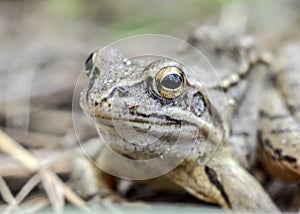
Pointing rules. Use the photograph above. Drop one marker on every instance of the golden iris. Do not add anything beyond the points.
(169, 82)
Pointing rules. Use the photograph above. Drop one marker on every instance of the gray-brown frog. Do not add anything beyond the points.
(157, 97)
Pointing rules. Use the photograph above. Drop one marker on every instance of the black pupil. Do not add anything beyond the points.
(89, 62)
(171, 81)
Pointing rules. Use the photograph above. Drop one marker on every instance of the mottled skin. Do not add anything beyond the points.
(125, 91)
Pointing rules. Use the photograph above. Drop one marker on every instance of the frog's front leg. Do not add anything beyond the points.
(91, 182)
(223, 181)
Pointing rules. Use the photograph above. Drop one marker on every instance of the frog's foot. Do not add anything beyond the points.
(92, 184)
(224, 182)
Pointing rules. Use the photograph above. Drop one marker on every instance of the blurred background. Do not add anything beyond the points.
(44, 45)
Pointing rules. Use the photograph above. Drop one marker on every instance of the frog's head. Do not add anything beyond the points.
(145, 105)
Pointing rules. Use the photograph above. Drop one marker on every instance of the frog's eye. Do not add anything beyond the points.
(169, 82)
(89, 63)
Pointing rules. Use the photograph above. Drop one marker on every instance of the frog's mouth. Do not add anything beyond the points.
(152, 124)
(138, 119)
(141, 123)
(144, 139)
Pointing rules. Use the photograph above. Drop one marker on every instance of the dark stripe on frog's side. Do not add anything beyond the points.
(188, 174)
(276, 153)
(290, 159)
(213, 178)
(274, 116)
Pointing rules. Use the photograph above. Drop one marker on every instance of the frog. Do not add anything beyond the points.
(158, 94)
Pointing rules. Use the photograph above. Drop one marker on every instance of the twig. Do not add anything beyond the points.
(56, 160)
(34, 204)
(6, 193)
(54, 190)
(25, 190)
(11, 147)
(8, 145)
